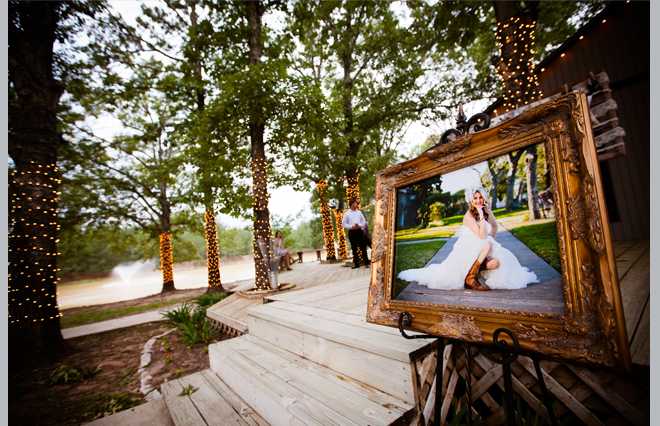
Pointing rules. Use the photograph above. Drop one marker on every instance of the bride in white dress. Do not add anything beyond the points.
(476, 253)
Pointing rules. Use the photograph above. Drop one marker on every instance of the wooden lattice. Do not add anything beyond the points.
(224, 328)
(591, 396)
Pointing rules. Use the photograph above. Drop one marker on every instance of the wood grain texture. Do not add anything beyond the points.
(182, 409)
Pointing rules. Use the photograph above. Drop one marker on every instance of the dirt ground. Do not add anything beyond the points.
(33, 401)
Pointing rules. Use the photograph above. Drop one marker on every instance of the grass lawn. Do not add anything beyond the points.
(541, 238)
(412, 256)
(72, 320)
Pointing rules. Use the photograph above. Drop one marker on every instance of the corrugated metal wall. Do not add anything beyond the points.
(621, 47)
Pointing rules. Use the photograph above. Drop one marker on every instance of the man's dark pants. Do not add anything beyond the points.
(356, 237)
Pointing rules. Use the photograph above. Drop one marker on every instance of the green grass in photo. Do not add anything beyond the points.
(541, 239)
(412, 256)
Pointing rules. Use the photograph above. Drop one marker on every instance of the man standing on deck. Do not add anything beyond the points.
(354, 221)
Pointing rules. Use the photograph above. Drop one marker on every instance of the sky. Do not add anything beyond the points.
(284, 201)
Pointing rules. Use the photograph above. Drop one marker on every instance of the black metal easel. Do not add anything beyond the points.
(508, 356)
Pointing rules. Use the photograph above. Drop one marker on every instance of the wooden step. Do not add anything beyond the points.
(339, 327)
(375, 355)
(213, 403)
(287, 389)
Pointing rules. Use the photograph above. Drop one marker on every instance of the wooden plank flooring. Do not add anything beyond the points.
(232, 311)
(211, 403)
(334, 281)
(633, 263)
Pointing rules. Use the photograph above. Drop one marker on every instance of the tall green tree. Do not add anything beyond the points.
(138, 174)
(211, 135)
(34, 140)
(247, 77)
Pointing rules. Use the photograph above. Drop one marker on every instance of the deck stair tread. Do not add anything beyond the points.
(288, 389)
(213, 402)
(337, 327)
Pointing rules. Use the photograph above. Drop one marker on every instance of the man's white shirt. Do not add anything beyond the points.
(352, 217)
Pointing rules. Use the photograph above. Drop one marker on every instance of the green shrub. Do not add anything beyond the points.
(209, 299)
(192, 323)
(179, 315)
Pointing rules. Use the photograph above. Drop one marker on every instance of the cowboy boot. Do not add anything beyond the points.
(471, 279)
(484, 266)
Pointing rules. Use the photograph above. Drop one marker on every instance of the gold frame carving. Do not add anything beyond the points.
(593, 330)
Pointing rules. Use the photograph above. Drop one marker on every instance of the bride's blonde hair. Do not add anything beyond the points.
(469, 197)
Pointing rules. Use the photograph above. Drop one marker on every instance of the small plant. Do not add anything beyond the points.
(68, 374)
(168, 357)
(106, 404)
(188, 391)
(180, 315)
(206, 349)
(177, 371)
(127, 379)
(209, 299)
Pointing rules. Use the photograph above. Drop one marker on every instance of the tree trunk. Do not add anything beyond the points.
(352, 175)
(166, 264)
(513, 158)
(494, 179)
(165, 237)
(326, 219)
(515, 27)
(262, 229)
(341, 238)
(519, 194)
(532, 185)
(212, 256)
(34, 317)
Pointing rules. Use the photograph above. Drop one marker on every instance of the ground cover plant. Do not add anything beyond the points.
(412, 256)
(191, 320)
(90, 314)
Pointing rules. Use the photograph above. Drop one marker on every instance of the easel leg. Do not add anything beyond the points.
(544, 389)
(438, 380)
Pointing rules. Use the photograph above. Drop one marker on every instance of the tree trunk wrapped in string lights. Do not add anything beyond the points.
(341, 238)
(33, 314)
(261, 229)
(212, 256)
(166, 260)
(353, 189)
(515, 36)
(326, 219)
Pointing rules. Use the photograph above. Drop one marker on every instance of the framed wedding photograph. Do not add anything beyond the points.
(503, 228)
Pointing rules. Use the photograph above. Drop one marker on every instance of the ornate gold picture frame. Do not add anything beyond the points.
(589, 327)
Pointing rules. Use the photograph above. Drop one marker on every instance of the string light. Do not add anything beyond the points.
(212, 255)
(261, 229)
(513, 70)
(341, 238)
(166, 257)
(326, 219)
(353, 189)
(32, 278)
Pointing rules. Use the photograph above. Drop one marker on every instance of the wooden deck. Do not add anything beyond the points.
(311, 358)
(633, 264)
(632, 261)
(232, 312)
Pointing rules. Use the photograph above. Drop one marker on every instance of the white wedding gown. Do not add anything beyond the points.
(450, 274)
